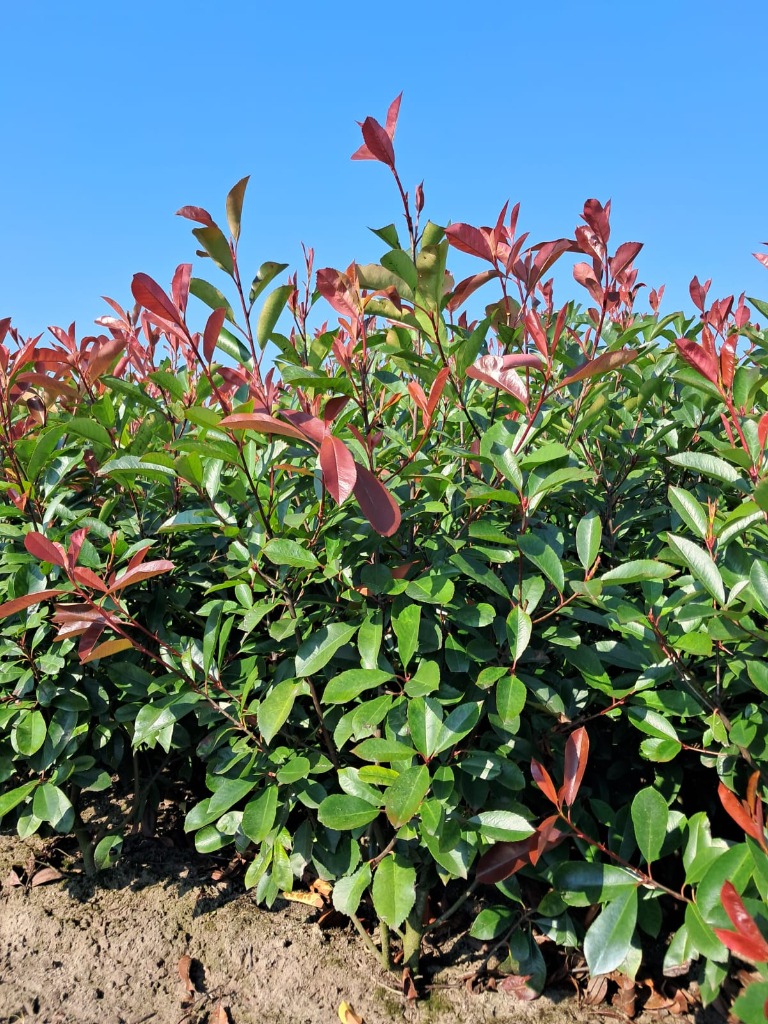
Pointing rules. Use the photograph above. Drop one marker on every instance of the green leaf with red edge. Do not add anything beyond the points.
(18, 604)
(46, 550)
(576, 755)
(216, 245)
(235, 206)
(597, 367)
(543, 780)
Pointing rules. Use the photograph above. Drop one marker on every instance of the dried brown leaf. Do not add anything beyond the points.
(517, 985)
(409, 985)
(596, 990)
(12, 878)
(220, 1015)
(309, 899)
(347, 1015)
(45, 875)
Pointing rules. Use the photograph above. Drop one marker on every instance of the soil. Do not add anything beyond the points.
(107, 951)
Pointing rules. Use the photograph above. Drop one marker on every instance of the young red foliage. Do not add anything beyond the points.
(747, 941)
(695, 355)
(576, 755)
(543, 780)
(364, 153)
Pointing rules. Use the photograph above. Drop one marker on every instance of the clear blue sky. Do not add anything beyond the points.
(116, 114)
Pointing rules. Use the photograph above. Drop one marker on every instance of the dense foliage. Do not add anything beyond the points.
(436, 603)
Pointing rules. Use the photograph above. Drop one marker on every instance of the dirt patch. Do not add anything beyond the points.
(79, 952)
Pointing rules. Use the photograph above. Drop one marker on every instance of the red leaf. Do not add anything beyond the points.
(547, 836)
(261, 424)
(139, 557)
(332, 409)
(698, 292)
(212, 331)
(471, 240)
(623, 256)
(702, 361)
(336, 288)
(378, 142)
(102, 357)
(311, 426)
(503, 860)
(438, 384)
(585, 275)
(18, 604)
(416, 391)
(498, 371)
(44, 549)
(762, 429)
(598, 218)
(151, 296)
(145, 571)
(88, 578)
(544, 781)
(377, 504)
(363, 153)
(762, 256)
(339, 468)
(537, 332)
(602, 364)
(728, 361)
(180, 285)
(576, 754)
(197, 214)
(747, 941)
(740, 814)
(465, 288)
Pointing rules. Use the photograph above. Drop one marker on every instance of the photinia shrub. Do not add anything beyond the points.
(433, 601)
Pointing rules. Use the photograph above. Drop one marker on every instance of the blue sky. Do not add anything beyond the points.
(114, 115)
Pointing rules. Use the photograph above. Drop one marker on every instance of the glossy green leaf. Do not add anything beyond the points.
(107, 852)
(348, 892)
(519, 629)
(51, 804)
(29, 734)
(701, 565)
(394, 890)
(259, 815)
(689, 510)
(319, 647)
(609, 937)
(636, 570)
(270, 313)
(274, 710)
(405, 622)
(405, 795)
(281, 551)
(650, 818)
(588, 536)
(342, 812)
(544, 557)
(350, 684)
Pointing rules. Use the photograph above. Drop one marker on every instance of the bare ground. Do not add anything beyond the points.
(76, 951)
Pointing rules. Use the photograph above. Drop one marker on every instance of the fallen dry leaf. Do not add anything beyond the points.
(517, 985)
(219, 1015)
(12, 879)
(309, 899)
(625, 997)
(348, 1016)
(596, 990)
(45, 875)
(185, 965)
(409, 985)
(324, 888)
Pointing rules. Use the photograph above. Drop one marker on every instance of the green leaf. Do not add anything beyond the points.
(275, 708)
(750, 1005)
(212, 239)
(510, 697)
(425, 720)
(289, 552)
(318, 649)
(273, 306)
(376, 749)
(493, 922)
(342, 812)
(583, 883)
(14, 797)
(211, 296)
(758, 577)
(689, 510)
(701, 564)
(544, 557)
(347, 892)
(650, 817)
(227, 794)
(394, 890)
(405, 622)
(29, 734)
(369, 638)
(350, 684)
(502, 826)
(480, 574)
(588, 536)
(405, 795)
(461, 721)
(259, 815)
(51, 804)
(267, 272)
(609, 937)
(107, 852)
(235, 206)
(637, 570)
(519, 629)
(708, 465)
(401, 264)
(433, 589)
